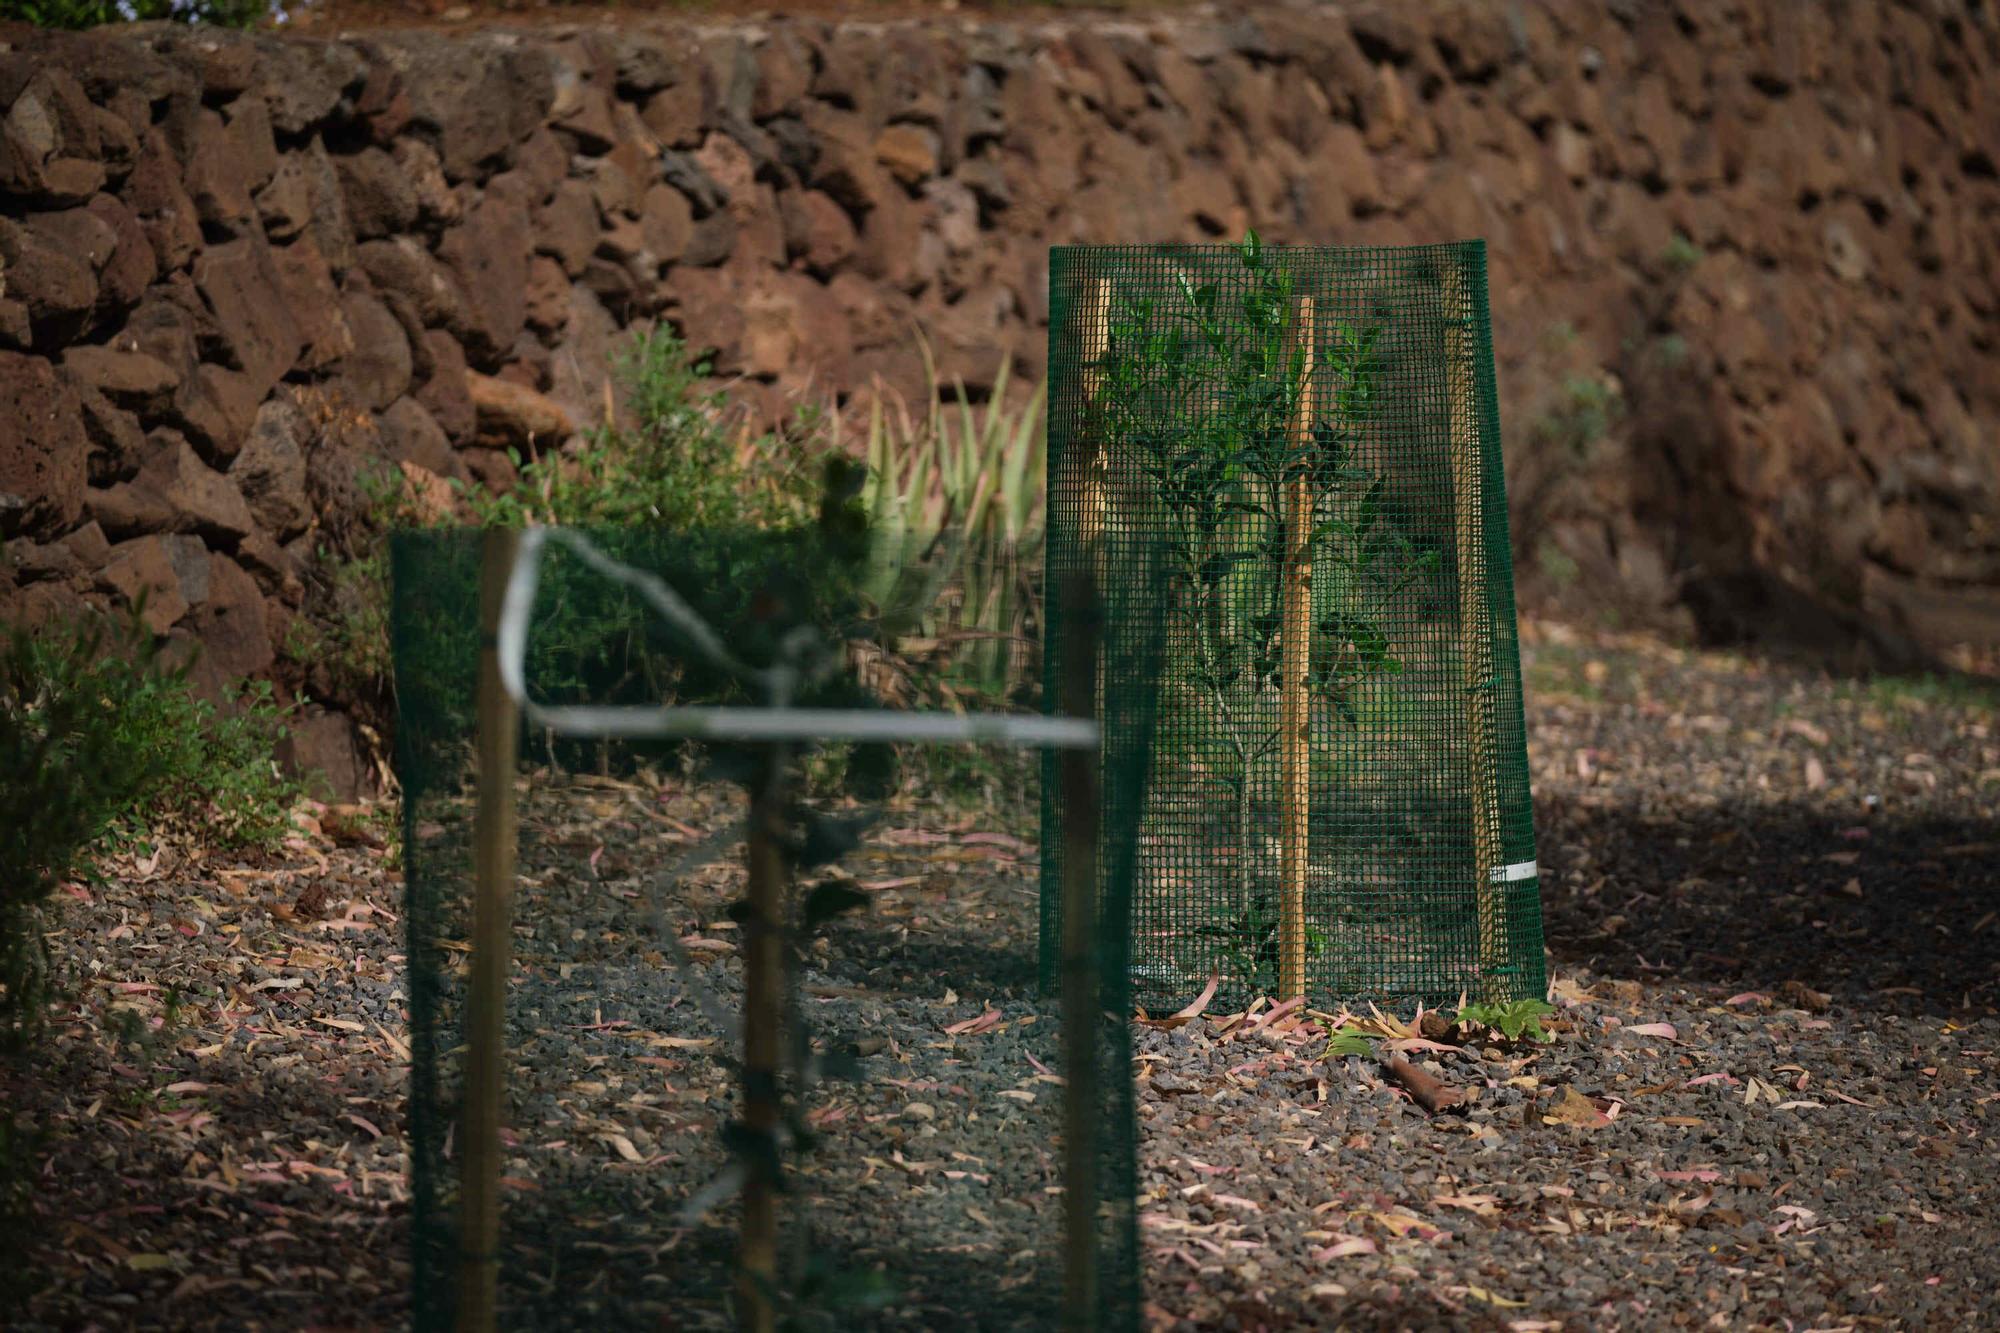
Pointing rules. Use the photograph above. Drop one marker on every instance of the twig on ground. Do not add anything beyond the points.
(1426, 1091)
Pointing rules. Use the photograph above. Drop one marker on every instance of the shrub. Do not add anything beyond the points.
(955, 503)
(95, 13)
(344, 627)
(1681, 254)
(1585, 410)
(680, 465)
(101, 740)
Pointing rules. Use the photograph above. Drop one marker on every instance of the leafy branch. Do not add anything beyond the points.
(1200, 392)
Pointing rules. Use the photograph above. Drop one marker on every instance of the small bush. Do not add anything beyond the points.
(344, 628)
(1681, 254)
(102, 741)
(680, 466)
(1585, 410)
(1514, 1021)
(76, 14)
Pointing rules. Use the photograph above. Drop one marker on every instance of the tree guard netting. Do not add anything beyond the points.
(923, 1080)
(1310, 437)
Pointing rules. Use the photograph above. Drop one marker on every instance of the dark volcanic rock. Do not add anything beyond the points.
(43, 448)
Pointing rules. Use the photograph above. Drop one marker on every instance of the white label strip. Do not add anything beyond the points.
(1520, 870)
(736, 724)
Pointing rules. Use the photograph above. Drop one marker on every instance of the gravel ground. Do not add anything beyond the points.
(1771, 908)
(939, 1143)
(1799, 878)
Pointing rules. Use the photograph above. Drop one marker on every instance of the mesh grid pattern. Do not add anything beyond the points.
(606, 1036)
(1308, 440)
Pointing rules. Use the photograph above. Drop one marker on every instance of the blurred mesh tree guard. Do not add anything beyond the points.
(1339, 803)
(623, 1114)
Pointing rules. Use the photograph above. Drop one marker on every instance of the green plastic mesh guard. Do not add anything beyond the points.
(932, 1196)
(1310, 438)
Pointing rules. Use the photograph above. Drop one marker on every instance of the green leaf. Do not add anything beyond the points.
(1349, 1040)
(1252, 249)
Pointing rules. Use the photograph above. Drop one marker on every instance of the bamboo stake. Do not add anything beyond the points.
(492, 938)
(1096, 341)
(1295, 665)
(1475, 629)
(763, 1017)
(1081, 1010)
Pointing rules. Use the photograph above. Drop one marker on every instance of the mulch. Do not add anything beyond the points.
(1771, 906)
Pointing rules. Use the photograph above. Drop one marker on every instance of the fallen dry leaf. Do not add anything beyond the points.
(972, 1026)
(1192, 1011)
(1576, 1109)
(1487, 1297)
(1482, 1205)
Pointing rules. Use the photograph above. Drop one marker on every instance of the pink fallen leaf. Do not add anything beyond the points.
(1704, 1174)
(1006, 841)
(1276, 1012)
(1748, 997)
(1711, 1078)
(974, 1025)
(1192, 1011)
(1667, 1030)
(1483, 1204)
(907, 837)
(185, 1086)
(1345, 1246)
(1421, 1044)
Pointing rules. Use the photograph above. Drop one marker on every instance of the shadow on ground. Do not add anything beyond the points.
(1900, 914)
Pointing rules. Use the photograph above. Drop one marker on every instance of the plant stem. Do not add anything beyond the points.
(763, 1041)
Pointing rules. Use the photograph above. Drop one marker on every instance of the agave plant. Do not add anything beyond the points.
(955, 503)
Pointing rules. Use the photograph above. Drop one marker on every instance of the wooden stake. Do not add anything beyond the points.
(1081, 1010)
(492, 939)
(763, 1023)
(1295, 665)
(1475, 630)
(1096, 341)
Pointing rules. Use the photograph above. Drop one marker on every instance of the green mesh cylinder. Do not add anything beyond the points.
(622, 1017)
(1309, 440)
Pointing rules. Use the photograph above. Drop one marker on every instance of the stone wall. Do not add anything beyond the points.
(1745, 260)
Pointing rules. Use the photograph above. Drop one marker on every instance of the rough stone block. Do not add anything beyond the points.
(43, 449)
